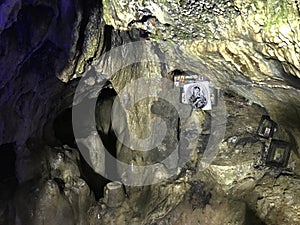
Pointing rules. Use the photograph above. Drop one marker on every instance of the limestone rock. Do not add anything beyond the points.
(250, 48)
(277, 200)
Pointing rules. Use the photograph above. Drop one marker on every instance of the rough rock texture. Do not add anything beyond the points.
(246, 48)
(239, 174)
(230, 43)
(274, 196)
(41, 41)
(59, 196)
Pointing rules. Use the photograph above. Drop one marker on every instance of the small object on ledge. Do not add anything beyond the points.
(266, 127)
(278, 153)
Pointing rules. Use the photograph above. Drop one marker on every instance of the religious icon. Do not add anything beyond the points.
(278, 153)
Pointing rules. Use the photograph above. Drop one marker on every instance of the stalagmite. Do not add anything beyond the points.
(114, 194)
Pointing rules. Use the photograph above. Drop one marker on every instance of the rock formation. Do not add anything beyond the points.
(174, 165)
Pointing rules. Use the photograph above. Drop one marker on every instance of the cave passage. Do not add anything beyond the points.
(7, 162)
(8, 181)
(63, 130)
(252, 218)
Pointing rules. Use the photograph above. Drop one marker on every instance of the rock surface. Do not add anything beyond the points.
(59, 196)
(248, 49)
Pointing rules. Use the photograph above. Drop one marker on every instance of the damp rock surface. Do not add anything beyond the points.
(248, 49)
(258, 46)
(59, 196)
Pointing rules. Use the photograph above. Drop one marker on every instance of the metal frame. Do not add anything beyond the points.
(278, 153)
(266, 131)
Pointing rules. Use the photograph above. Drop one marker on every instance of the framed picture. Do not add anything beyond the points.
(266, 127)
(196, 90)
(278, 153)
(198, 95)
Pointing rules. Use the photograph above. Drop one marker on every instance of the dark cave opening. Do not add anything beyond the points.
(8, 180)
(63, 130)
(251, 217)
(7, 162)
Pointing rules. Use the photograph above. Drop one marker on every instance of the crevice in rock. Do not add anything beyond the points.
(8, 181)
(162, 57)
(251, 218)
(87, 7)
(104, 124)
(63, 131)
(105, 102)
(107, 38)
(62, 127)
(95, 181)
(7, 162)
(291, 80)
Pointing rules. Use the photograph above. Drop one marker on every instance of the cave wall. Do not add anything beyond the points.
(248, 47)
(32, 56)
